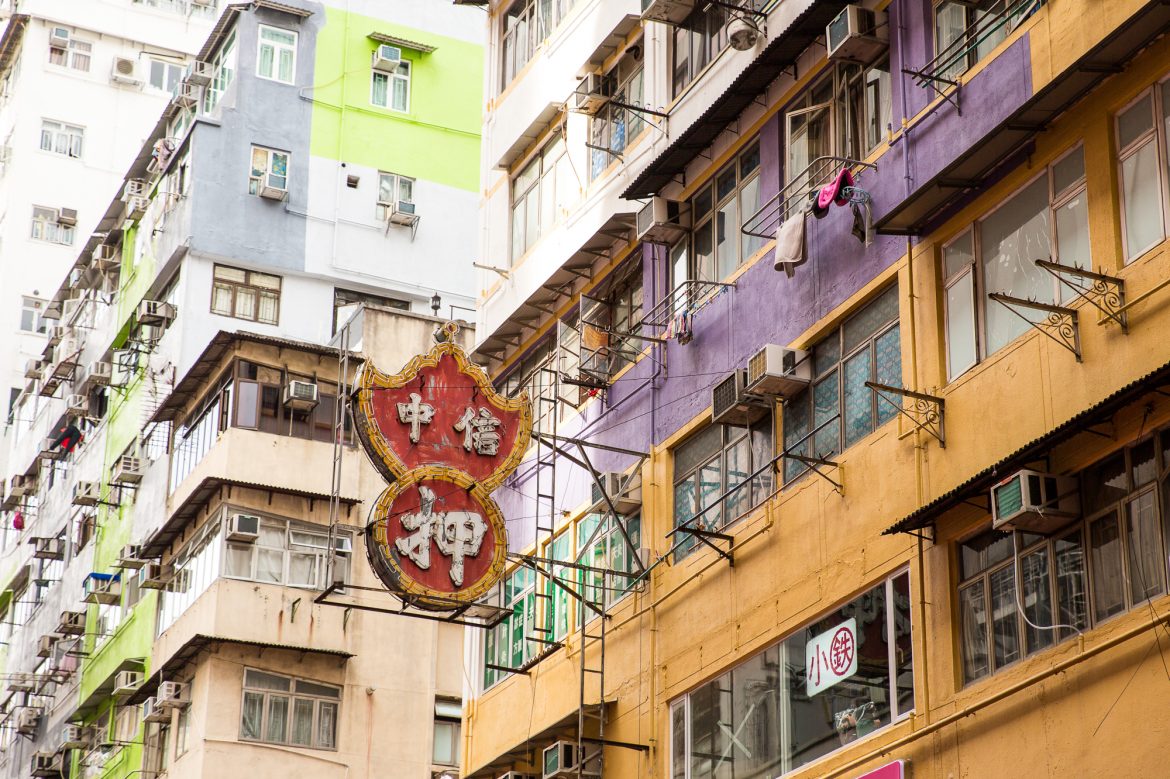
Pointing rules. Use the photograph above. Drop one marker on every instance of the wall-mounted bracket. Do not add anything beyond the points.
(815, 464)
(1059, 324)
(1103, 292)
(925, 412)
(706, 537)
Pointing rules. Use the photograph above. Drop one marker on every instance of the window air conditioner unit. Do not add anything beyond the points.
(32, 369)
(48, 764)
(77, 405)
(155, 313)
(131, 557)
(86, 493)
(403, 213)
(152, 713)
(1034, 501)
(127, 682)
(173, 695)
(136, 208)
(123, 71)
(133, 188)
(559, 760)
(272, 193)
(590, 95)
(663, 221)
(300, 395)
(45, 645)
(387, 57)
(731, 405)
(22, 683)
(48, 548)
(104, 588)
(76, 737)
(155, 576)
(21, 486)
(59, 38)
(199, 73)
(29, 719)
(667, 11)
(105, 257)
(778, 372)
(626, 501)
(97, 374)
(127, 470)
(857, 34)
(71, 623)
(243, 527)
(67, 217)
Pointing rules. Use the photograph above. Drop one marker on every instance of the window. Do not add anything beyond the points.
(61, 138)
(1047, 219)
(614, 126)
(269, 171)
(68, 51)
(541, 194)
(392, 90)
(448, 715)
(524, 27)
(838, 410)
(284, 710)
(47, 226)
(605, 547)
(718, 209)
(223, 70)
(288, 554)
(767, 716)
(165, 75)
(604, 350)
(709, 464)
(1141, 145)
(697, 41)
(243, 294)
(277, 55)
(965, 32)
(30, 315)
(535, 373)
(391, 189)
(184, 7)
(507, 645)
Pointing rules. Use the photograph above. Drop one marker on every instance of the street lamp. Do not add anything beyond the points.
(436, 303)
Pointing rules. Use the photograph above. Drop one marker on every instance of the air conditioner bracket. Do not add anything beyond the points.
(1103, 292)
(924, 411)
(1059, 324)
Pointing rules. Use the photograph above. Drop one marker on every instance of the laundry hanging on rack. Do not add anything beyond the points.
(790, 244)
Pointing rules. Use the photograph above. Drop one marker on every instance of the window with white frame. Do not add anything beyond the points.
(542, 192)
(245, 294)
(288, 554)
(276, 58)
(47, 226)
(614, 126)
(777, 711)
(448, 721)
(30, 314)
(1142, 152)
(279, 709)
(523, 28)
(392, 188)
(391, 90)
(966, 32)
(62, 138)
(1046, 220)
(164, 75)
(223, 73)
(269, 170)
(69, 51)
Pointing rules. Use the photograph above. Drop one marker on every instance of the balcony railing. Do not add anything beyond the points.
(795, 195)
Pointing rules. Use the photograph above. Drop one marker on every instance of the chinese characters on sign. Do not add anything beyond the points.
(443, 438)
(831, 657)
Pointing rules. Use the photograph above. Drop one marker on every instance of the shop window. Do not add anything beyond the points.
(786, 707)
(1141, 149)
(1047, 219)
(280, 709)
(614, 126)
(1020, 595)
(542, 192)
(718, 461)
(838, 410)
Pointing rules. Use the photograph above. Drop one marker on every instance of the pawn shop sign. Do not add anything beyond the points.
(443, 438)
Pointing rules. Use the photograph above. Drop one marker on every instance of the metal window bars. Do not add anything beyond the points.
(952, 60)
(797, 193)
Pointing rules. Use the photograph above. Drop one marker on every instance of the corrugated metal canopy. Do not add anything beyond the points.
(401, 43)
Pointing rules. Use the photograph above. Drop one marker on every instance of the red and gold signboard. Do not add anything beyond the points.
(444, 439)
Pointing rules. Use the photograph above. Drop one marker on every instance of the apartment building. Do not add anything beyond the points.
(843, 325)
(81, 83)
(170, 568)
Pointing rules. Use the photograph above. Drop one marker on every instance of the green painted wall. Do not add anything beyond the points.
(436, 140)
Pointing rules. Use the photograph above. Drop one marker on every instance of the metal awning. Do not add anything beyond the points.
(401, 43)
(200, 641)
(160, 540)
(779, 55)
(559, 287)
(292, 10)
(915, 214)
(982, 481)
